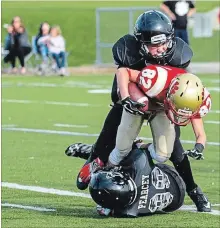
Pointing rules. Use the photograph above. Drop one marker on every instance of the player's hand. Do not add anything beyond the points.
(132, 106)
(103, 211)
(196, 153)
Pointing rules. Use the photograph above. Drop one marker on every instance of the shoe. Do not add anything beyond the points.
(200, 200)
(85, 173)
(23, 70)
(80, 150)
(14, 70)
(62, 71)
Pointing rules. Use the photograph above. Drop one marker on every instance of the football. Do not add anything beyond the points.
(137, 95)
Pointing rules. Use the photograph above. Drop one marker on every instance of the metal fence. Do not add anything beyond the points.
(111, 24)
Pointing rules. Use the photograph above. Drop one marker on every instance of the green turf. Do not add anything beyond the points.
(38, 159)
(77, 20)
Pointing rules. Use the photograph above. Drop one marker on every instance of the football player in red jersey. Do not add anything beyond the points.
(184, 100)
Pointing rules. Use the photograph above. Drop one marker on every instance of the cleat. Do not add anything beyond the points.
(80, 150)
(200, 200)
(86, 171)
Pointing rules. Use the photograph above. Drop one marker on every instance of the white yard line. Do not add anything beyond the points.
(212, 122)
(11, 205)
(70, 125)
(99, 91)
(213, 89)
(44, 190)
(69, 84)
(214, 111)
(8, 125)
(45, 131)
(65, 103)
(190, 208)
(49, 102)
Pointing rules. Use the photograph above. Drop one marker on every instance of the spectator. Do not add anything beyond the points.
(179, 11)
(40, 41)
(17, 44)
(56, 45)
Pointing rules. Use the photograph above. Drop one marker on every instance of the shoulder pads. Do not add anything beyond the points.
(126, 51)
(181, 55)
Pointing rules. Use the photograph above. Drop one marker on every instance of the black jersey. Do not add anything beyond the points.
(159, 187)
(126, 53)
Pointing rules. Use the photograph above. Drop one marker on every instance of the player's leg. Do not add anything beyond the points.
(182, 165)
(128, 130)
(102, 148)
(163, 133)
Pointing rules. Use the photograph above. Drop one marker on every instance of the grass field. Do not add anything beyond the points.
(31, 158)
(77, 20)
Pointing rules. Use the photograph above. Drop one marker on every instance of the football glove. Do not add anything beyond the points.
(103, 211)
(196, 153)
(132, 106)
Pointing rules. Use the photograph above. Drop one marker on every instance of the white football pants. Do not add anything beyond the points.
(163, 134)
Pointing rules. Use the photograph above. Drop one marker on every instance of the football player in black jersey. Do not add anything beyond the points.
(138, 187)
(153, 42)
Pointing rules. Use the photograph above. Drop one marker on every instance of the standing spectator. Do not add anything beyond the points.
(40, 41)
(17, 44)
(56, 45)
(179, 11)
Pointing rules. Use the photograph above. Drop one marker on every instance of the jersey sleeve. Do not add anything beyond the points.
(147, 78)
(126, 51)
(206, 105)
(167, 3)
(118, 51)
(191, 5)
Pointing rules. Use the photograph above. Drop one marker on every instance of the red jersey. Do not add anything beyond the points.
(154, 81)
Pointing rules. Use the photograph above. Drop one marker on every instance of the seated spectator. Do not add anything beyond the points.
(17, 44)
(40, 41)
(56, 45)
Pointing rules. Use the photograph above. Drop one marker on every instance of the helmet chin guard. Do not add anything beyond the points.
(176, 117)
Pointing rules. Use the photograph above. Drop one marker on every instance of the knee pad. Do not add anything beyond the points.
(156, 156)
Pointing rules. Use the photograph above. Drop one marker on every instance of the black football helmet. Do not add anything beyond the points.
(112, 188)
(155, 28)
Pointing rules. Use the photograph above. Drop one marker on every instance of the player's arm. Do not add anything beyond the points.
(198, 128)
(199, 131)
(123, 79)
(165, 8)
(192, 9)
(197, 151)
(124, 76)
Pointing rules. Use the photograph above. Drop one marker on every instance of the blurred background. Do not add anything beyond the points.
(90, 28)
